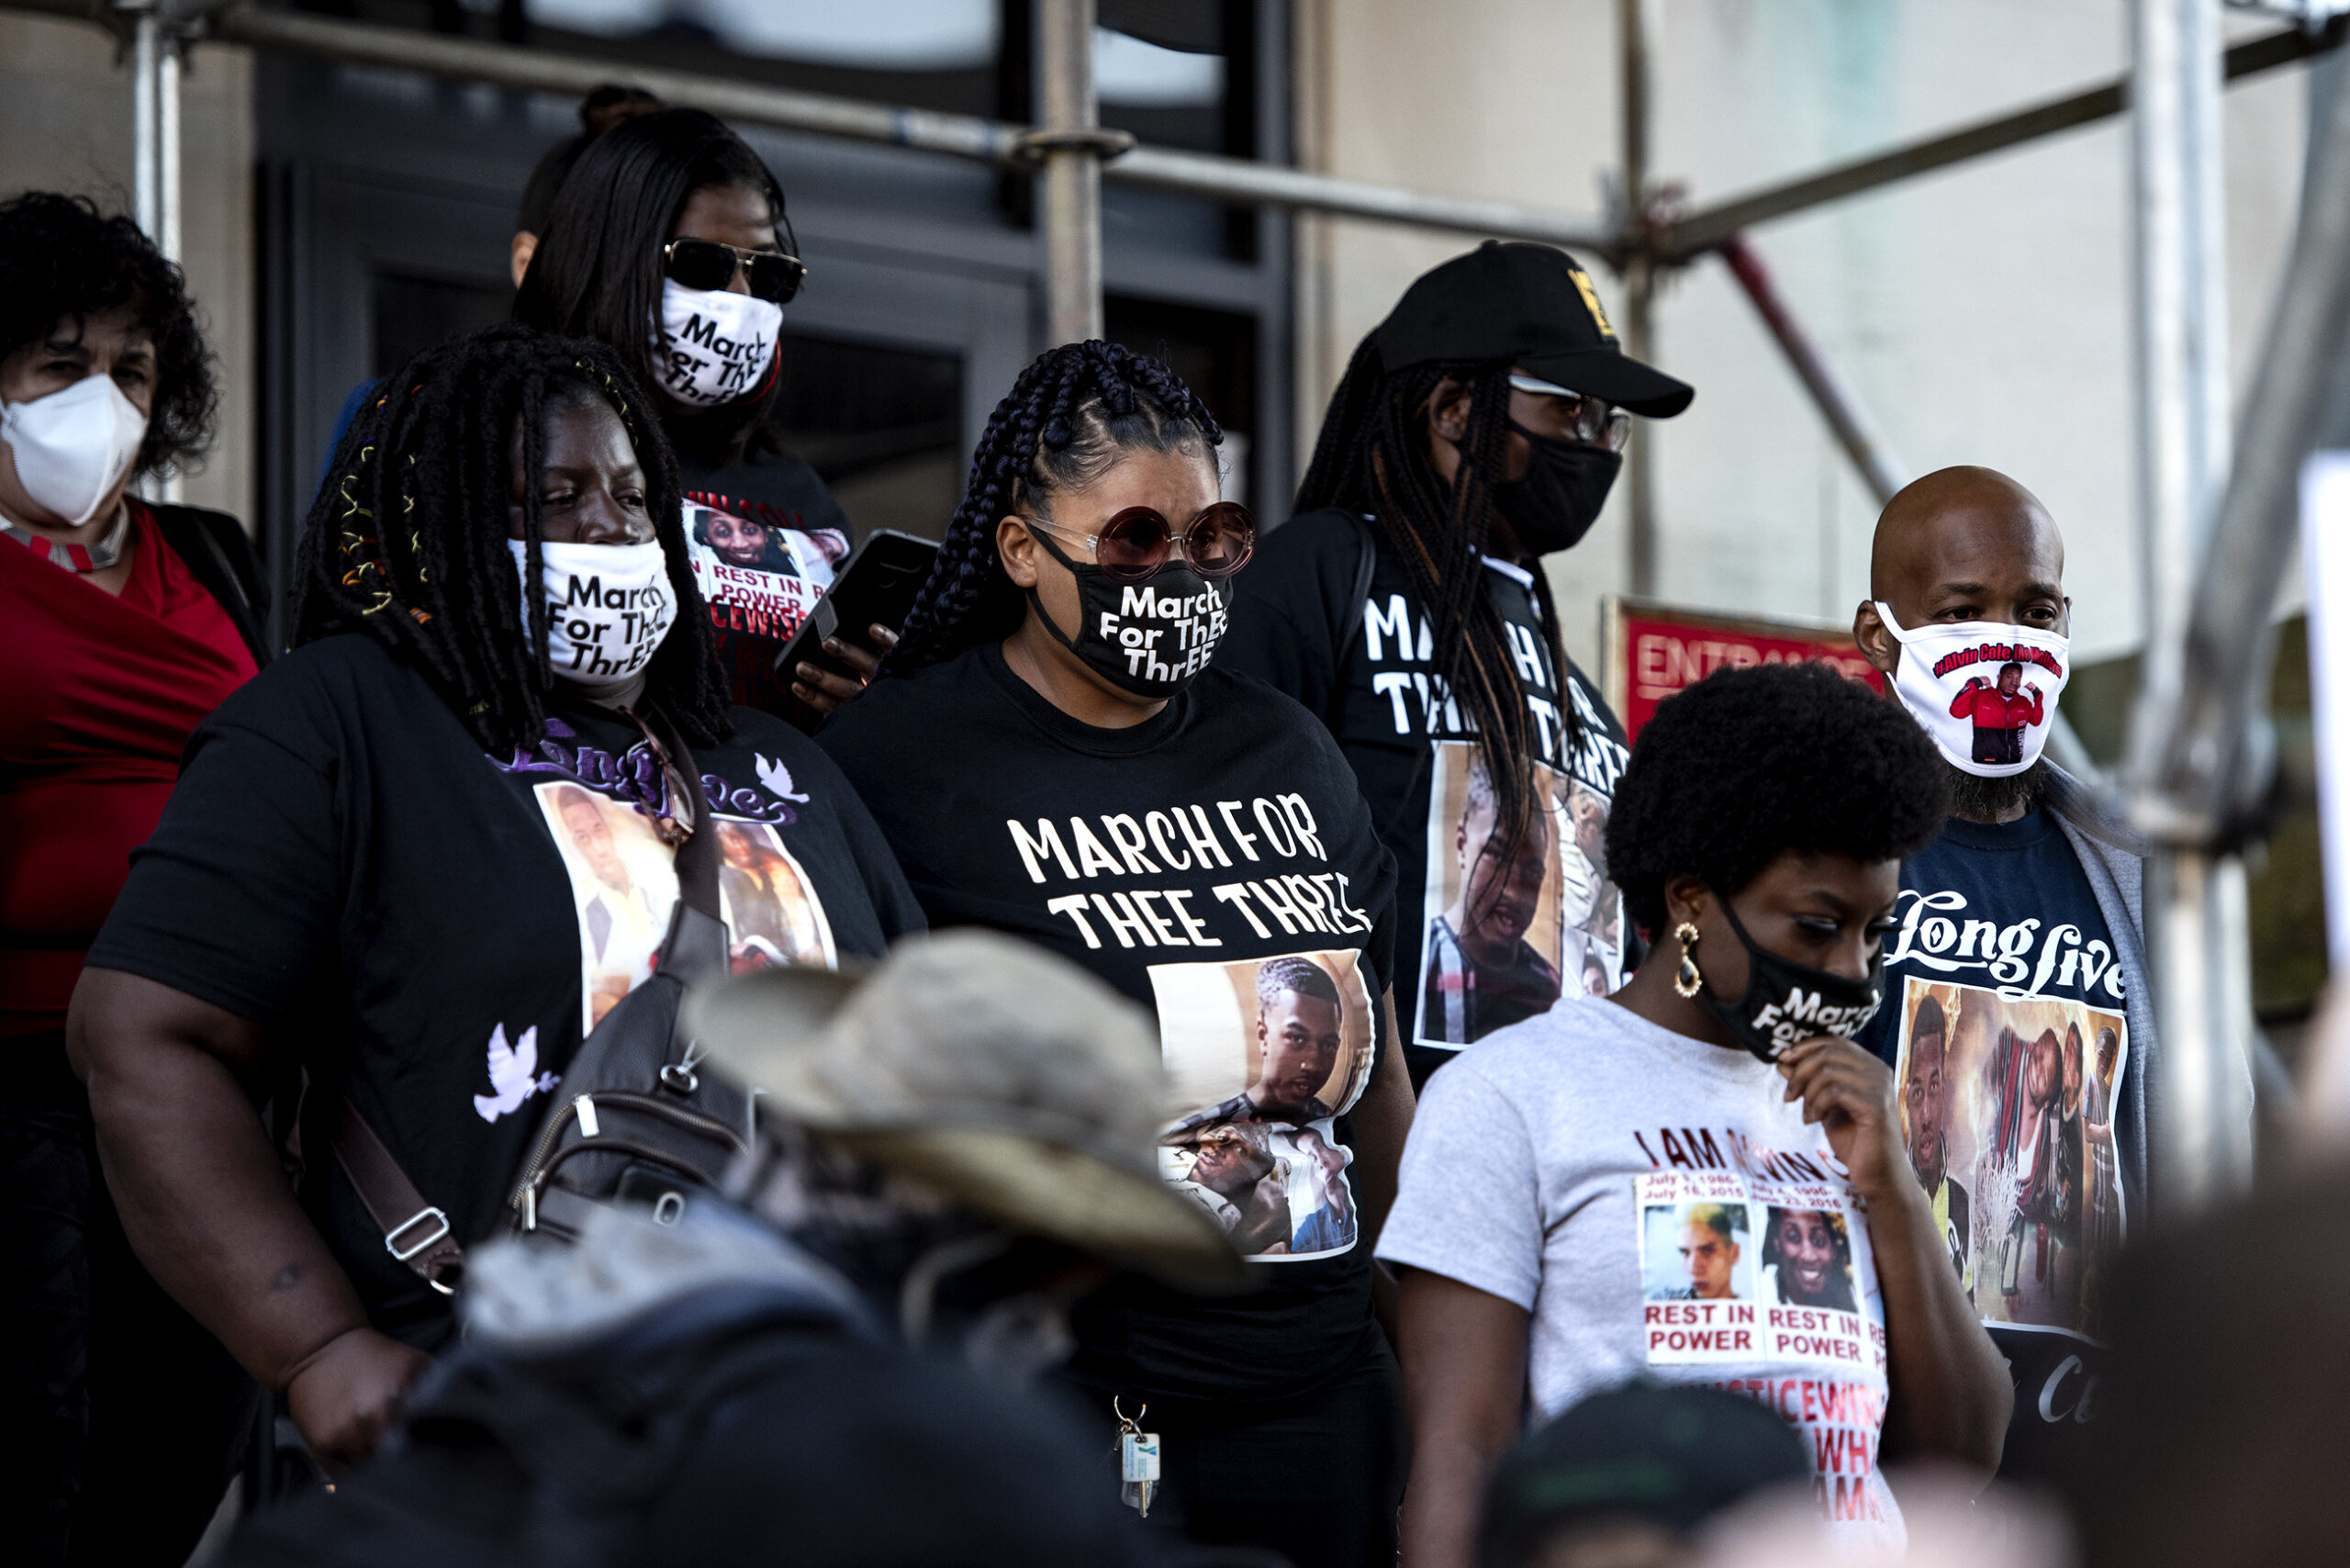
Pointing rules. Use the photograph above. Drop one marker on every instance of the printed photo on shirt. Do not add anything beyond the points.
(2007, 1111)
(1743, 1267)
(1509, 930)
(1263, 1056)
(773, 915)
(1701, 1251)
(624, 889)
(758, 577)
(623, 886)
(1807, 1259)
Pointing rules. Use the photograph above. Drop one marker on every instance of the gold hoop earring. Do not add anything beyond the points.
(1686, 980)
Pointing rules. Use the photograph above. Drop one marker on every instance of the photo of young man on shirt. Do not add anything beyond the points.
(1925, 1114)
(623, 911)
(1513, 911)
(1695, 1252)
(1263, 1160)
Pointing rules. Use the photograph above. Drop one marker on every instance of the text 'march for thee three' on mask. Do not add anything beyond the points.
(609, 606)
(712, 345)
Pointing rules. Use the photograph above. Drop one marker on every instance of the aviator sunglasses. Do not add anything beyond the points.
(1135, 543)
(707, 265)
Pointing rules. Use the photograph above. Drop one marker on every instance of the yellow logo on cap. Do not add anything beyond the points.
(1591, 298)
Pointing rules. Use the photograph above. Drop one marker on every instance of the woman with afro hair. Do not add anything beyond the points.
(127, 621)
(1051, 754)
(418, 859)
(1542, 1229)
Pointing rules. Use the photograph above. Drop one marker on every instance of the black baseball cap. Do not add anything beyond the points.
(1533, 306)
(1675, 1455)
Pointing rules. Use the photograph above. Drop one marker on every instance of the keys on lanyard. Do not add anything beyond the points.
(1138, 1459)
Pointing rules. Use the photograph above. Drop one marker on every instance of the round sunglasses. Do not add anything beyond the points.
(1135, 542)
(707, 265)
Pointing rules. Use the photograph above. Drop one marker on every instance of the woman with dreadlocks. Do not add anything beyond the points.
(420, 855)
(1478, 430)
(1051, 754)
(670, 243)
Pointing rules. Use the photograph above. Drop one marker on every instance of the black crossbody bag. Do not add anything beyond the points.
(635, 1122)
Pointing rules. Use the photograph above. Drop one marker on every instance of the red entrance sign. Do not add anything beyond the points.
(1654, 650)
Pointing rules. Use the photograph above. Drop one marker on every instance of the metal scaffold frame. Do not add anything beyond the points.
(2218, 537)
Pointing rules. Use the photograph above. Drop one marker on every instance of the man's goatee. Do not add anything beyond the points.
(1996, 799)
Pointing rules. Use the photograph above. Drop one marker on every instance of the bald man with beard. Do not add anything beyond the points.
(2030, 897)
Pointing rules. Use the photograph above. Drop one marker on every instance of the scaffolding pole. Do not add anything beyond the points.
(970, 137)
(1072, 153)
(2195, 903)
(1639, 22)
(1853, 430)
(2201, 769)
(155, 151)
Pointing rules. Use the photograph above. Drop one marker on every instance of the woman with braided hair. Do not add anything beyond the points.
(1051, 753)
(1478, 429)
(419, 856)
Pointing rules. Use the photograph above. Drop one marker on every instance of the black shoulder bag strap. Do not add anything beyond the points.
(695, 950)
(1347, 625)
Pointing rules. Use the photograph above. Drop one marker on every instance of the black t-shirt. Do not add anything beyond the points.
(1556, 922)
(2004, 958)
(434, 930)
(764, 536)
(1216, 864)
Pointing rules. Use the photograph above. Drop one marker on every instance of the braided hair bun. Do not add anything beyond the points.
(1068, 418)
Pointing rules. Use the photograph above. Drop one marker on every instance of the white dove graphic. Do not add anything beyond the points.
(778, 779)
(513, 1072)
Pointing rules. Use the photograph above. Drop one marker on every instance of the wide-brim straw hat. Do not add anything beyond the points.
(1008, 1079)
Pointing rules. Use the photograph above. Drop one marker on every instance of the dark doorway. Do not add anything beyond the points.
(412, 314)
(883, 426)
(1215, 353)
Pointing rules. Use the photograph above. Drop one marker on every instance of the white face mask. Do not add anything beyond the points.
(608, 606)
(714, 345)
(73, 447)
(1984, 691)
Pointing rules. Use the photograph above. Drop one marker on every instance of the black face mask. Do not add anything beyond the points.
(1786, 1002)
(1565, 484)
(1152, 638)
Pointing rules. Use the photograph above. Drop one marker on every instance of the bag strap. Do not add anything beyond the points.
(1351, 613)
(1346, 627)
(695, 951)
(415, 1232)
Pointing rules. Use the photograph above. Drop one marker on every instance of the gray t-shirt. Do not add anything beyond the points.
(1661, 1212)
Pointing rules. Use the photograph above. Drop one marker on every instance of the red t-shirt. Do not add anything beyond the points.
(102, 691)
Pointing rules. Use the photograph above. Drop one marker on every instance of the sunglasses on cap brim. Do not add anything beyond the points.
(1137, 543)
(707, 265)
